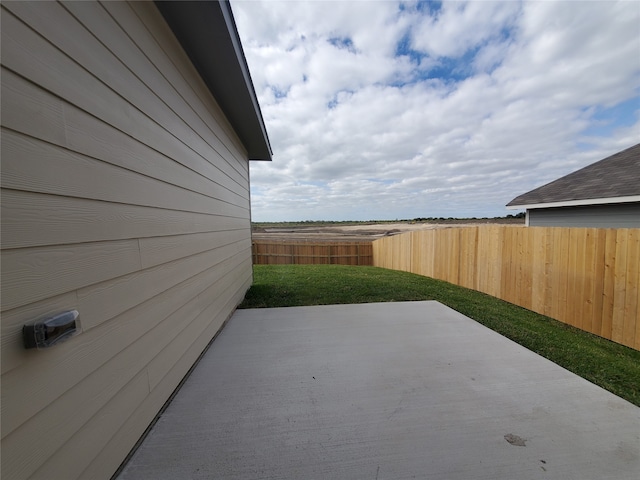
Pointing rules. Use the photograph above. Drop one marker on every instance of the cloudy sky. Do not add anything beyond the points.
(397, 110)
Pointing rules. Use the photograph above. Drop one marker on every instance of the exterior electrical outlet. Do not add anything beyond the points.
(50, 331)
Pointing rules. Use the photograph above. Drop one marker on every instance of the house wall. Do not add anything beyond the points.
(621, 215)
(125, 195)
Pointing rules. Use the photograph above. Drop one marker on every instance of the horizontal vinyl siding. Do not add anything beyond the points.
(125, 195)
(622, 215)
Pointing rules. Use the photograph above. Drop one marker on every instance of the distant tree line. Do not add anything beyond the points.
(303, 223)
(450, 219)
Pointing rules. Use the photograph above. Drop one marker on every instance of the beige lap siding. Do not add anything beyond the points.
(125, 195)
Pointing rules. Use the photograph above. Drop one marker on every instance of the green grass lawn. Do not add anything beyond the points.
(610, 365)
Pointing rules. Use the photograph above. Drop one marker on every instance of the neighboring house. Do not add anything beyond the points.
(605, 194)
(127, 128)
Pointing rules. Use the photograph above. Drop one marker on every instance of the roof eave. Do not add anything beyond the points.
(207, 32)
(576, 203)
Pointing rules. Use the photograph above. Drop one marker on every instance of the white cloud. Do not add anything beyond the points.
(488, 100)
(460, 26)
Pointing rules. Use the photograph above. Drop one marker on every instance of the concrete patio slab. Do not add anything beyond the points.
(384, 391)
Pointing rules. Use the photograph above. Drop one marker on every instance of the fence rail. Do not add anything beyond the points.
(339, 253)
(584, 277)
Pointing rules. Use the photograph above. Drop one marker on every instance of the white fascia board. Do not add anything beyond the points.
(576, 203)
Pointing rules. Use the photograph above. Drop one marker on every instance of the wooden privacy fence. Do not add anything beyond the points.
(339, 253)
(585, 277)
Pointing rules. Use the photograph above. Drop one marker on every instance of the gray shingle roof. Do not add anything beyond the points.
(614, 176)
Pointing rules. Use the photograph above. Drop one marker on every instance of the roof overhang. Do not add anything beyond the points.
(207, 32)
(577, 203)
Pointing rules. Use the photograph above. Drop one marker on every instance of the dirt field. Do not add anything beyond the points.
(358, 232)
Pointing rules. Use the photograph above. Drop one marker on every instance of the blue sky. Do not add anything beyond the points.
(381, 110)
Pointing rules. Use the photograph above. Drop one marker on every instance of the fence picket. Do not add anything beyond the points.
(631, 288)
(609, 284)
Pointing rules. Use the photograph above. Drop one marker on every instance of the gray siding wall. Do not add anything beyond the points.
(623, 215)
(125, 195)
